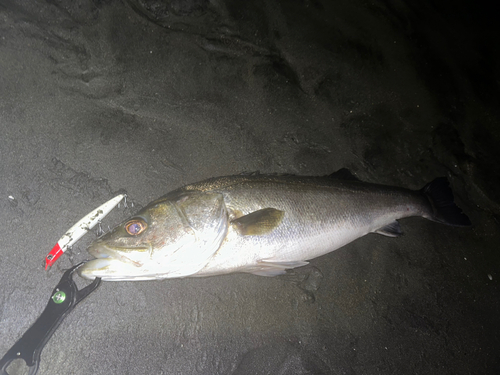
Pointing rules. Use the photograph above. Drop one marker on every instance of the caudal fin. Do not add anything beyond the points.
(441, 198)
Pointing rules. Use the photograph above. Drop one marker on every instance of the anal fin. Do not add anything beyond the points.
(390, 230)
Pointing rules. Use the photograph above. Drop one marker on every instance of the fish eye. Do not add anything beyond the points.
(135, 227)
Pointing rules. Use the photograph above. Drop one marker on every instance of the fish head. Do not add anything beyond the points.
(174, 236)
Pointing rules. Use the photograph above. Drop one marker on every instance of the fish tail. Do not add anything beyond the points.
(444, 209)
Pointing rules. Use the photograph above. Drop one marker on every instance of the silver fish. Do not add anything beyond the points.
(260, 224)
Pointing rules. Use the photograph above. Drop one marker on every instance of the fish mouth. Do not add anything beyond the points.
(101, 251)
(110, 262)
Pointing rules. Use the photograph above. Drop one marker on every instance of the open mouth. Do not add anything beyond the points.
(115, 263)
(103, 252)
(110, 264)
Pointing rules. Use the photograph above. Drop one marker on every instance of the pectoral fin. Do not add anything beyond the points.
(258, 222)
(390, 230)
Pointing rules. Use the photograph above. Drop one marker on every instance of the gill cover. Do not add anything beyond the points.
(193, 236)
(205, 220)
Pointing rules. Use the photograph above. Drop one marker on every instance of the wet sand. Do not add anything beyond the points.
(143, 96)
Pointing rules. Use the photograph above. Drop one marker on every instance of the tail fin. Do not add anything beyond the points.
(441, 198)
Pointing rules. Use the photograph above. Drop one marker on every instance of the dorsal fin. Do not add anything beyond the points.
(343, 174)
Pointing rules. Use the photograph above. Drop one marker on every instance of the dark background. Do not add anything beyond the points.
(143, 96)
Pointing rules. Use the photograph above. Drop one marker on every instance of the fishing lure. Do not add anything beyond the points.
(80, 228)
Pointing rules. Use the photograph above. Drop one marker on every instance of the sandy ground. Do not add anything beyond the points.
(144, 96)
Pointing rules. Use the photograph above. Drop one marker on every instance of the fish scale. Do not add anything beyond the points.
(260, 224)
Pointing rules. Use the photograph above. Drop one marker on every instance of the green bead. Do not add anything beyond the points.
(59, 297)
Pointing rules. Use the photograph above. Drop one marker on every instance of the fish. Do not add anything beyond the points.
(259, 224)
